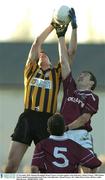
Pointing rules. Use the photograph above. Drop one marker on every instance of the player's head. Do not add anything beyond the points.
(44, 60)
(86, 80)
(56, 125)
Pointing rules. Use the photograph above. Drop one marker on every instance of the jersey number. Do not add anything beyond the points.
(58, 153)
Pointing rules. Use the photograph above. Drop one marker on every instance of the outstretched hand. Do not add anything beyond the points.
(60, 29)
(54, 24)
(72, 16)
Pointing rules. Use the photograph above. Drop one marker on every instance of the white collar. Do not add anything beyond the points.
(84, 90)
(58, 138)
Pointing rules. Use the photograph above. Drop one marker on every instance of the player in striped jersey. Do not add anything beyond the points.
(58, 154)
(42, 83)
(79, 102)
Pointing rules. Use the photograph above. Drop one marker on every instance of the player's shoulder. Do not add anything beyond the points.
(57, 66)
(73, 144)
(44, 141)
(93, 96)
(89, 94)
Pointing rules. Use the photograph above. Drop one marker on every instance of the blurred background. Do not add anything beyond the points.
(20, 22)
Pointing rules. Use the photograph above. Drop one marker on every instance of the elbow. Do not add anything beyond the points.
(62, 61)
(37, 42)
(83, 121)
(85, 118)
(71, 52)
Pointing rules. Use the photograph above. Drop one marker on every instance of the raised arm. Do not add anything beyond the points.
(36, 46)
(73, 40)
(64, 58)
(66, 55)
(72, 45)
(63, 54)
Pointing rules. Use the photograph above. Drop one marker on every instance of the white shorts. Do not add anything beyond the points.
(82, 137)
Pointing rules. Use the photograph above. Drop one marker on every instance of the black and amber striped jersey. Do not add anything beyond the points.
(41, 87)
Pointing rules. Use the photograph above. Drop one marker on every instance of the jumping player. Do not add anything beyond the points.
(79, 102)
(41, 83)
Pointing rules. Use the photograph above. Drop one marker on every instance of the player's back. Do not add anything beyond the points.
(57, 154)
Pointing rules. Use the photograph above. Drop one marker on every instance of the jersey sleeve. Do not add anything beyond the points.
(38, 156)
(85, 157)
(58, 69)
(30, 68)
(92, 104)
(58, 66)
(69, 85)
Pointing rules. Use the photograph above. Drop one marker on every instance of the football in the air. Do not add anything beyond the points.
(60, 15)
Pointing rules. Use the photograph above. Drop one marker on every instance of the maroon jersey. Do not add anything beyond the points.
(76, 102)
(57, 154)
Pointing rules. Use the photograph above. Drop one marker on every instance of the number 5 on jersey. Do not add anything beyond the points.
(58, 153)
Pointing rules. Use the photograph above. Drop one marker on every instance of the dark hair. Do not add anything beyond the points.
(43, 51)
(92, 78)
(56, 124)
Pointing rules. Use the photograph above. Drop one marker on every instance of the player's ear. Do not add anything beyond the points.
(48, 130)
(91, 83)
